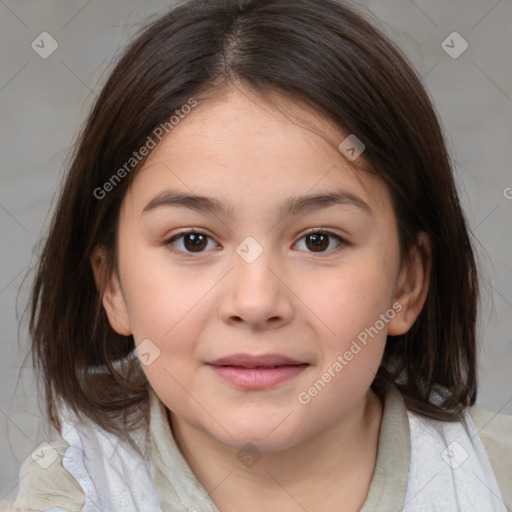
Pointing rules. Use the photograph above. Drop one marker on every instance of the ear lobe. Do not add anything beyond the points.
(412, 286)
(109, 288)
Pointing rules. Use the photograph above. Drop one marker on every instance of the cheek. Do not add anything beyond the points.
(351, 298)
(165, 307)
(160, 296)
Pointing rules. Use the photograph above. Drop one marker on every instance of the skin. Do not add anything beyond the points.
(292, 300)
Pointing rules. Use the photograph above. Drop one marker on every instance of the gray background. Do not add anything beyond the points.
(43, 103)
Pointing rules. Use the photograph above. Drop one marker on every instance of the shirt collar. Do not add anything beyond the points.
(389, 481)
(177, 485)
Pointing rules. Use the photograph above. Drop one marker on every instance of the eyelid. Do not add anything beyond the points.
(323, 230)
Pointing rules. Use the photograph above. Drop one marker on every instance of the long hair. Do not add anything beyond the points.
(328, 56)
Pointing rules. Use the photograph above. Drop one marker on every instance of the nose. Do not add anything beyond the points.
(256, 294)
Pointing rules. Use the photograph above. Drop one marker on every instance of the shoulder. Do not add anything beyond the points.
(44, 483)
(88, 469)
(495, 431)
(494, 428)
(481, 440)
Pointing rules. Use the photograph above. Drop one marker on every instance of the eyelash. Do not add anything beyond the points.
(177, 236)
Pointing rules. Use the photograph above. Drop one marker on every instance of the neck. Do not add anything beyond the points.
(335, 464)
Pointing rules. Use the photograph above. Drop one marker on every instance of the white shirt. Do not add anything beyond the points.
(422, 465)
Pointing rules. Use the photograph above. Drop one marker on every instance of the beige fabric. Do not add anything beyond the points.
(174, 480)
(42, 488)
(389, 481)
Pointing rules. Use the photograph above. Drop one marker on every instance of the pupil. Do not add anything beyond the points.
(196, 239)
(319, 240)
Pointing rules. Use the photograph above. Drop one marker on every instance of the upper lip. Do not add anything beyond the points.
(250, 361)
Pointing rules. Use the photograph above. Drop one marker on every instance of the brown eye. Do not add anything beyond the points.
(320, 241)
(191, 242)
(194, 242)
(317, 241)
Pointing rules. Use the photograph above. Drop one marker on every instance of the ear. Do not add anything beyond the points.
(112, 298)
(412, 286)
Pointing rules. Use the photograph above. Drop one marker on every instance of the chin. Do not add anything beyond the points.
(259, 437)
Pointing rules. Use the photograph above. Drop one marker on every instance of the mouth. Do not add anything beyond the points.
(256, 372)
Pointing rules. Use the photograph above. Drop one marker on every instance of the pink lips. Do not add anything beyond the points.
(256, 372)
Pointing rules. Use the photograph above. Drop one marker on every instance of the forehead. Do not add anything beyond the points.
(238, 146)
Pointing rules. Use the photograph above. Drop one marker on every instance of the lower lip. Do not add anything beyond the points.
(256, 378)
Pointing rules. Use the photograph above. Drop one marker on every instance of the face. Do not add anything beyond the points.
(258, 271)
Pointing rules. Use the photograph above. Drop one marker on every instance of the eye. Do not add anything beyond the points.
(191, 241)
(320, 240)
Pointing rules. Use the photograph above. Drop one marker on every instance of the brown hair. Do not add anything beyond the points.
(331, 58)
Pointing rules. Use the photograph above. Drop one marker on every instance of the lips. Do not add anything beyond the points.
(248, 372)
(263, 361)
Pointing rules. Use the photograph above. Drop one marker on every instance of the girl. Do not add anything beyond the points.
(259, 290)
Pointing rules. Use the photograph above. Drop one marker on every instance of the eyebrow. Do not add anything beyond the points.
(292, 206)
